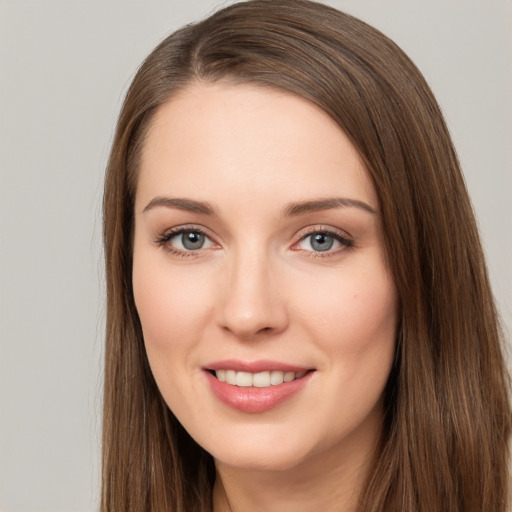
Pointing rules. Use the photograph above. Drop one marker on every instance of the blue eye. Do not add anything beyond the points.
(184, 242)
(191, 240)
(323, 242)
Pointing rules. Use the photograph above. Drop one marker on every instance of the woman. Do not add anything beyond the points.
(299, 314)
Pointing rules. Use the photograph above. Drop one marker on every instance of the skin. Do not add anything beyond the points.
(258, 289)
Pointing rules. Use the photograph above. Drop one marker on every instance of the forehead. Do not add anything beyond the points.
(225, 140)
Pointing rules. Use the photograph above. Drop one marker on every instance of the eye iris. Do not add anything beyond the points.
(321, 242)
(192, 240)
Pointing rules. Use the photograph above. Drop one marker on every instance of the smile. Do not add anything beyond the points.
(259, 380)
(256, 387)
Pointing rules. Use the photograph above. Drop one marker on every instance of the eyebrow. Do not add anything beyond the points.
(291, 210)
(188, 205)
(303, 207)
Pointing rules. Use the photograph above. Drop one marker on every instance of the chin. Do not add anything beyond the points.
(256, 460)
(259, 452)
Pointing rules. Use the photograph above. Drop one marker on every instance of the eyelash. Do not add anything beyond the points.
(346, 243)
(163, 239)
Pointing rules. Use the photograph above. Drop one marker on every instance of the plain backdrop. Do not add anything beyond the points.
(64, 68)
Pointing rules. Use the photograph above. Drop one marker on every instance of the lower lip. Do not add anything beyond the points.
(253, 399)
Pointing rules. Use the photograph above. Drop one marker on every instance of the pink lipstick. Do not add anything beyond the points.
(257, 386)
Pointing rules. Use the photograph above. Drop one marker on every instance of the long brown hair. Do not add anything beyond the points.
(447, 420)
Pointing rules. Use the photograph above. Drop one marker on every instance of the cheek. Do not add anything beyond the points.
(353, 323)
(353, 315)
(172, 307)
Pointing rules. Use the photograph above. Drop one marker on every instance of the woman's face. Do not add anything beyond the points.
(268, 314)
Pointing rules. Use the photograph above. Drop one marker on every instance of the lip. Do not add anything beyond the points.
(254, 399)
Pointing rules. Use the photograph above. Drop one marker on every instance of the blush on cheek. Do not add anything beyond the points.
(171, 306)
(354, 321)
(376, 311)
(151, 308)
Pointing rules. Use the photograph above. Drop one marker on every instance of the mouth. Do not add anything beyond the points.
(265, 387)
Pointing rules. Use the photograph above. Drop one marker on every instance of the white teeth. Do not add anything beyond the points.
(258, 380)
(231, 377)
(261, 380)
(289, 376)
(276, 378)
(244, 379)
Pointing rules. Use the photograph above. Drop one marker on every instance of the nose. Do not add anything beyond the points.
(251, 301)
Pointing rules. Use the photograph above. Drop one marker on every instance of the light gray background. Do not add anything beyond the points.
(64, 68)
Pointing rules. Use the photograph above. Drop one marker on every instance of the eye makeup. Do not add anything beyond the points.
(190, 241)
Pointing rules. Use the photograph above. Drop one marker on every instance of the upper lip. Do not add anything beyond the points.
(255, 366)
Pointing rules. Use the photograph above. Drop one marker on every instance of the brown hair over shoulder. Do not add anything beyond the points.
(445, 443)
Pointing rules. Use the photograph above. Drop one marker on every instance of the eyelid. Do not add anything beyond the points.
(162, 238)
(346, 240)
(343, 237)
